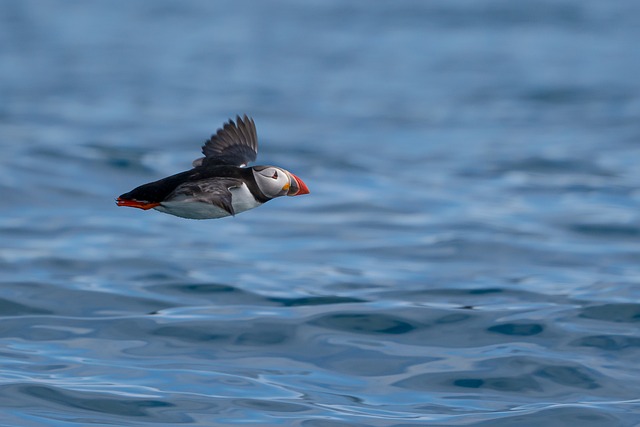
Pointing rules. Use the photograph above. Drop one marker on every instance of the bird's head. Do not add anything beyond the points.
(275, 182)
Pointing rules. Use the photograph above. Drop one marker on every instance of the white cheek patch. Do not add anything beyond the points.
(271, 187)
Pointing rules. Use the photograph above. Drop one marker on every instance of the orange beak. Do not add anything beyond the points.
(297, 187)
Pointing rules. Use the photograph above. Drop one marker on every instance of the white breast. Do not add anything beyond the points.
(241, 200)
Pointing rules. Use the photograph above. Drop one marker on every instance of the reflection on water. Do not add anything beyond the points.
(468, 256)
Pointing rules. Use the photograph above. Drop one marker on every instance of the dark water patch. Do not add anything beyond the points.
(485, 291)
(498, 15)
(464, 382)
(453, 318)
(205, 289)
(539, 166)
(367, 363)
(83, 402)
(197, 290)
(516, 384)
(240, 334)
(331, 423)
(542, 186)
(316, 300)
(606, 230)
(571, 94)
(521, 375)
(59, 329)
(128, 158)
(621, 313)
(214, 294)
(12, 308)
(479, 251)
(547, 166)
(41, 331)
(266, 335)
(354, 286)
(51, 368)
(507, 384)
(339, 210)
(571, 415)
(271, 405)
(568, 376)
(475, 297)
(220, 294)
(154, 277)
(116, 271)
(191, 334)
(93, 402)
(372, 323)
(430, 323)
(608, 342)
(518, 329)
(78, 302)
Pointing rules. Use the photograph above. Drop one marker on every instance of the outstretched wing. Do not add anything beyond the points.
(215, 191)
(235, 144)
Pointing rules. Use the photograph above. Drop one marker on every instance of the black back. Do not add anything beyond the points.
(157, 191)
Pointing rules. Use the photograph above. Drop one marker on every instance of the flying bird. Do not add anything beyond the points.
(220, 183)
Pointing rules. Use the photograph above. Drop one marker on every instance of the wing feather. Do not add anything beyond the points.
(235, 144)
(215, 191)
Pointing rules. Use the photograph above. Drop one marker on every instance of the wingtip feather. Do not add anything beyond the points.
(236, 142)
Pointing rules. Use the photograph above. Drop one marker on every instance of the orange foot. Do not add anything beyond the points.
(136, 204)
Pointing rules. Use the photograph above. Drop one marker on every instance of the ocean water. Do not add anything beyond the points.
(468, 256)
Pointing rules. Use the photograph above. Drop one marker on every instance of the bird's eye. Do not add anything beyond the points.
(275, 175)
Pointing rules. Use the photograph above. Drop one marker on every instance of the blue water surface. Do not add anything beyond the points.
(469, 253)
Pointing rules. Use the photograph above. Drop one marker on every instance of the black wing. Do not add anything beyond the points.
(235, 144)
(213, 190)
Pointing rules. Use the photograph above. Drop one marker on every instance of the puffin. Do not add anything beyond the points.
(220, 184)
